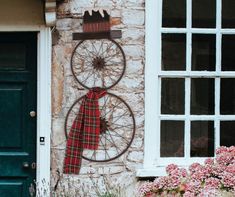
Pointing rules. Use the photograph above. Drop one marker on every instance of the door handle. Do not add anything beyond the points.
(27, 165)
(33, 165)
(32, 114)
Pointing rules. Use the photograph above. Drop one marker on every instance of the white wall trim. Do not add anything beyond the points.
(43, 100)
(151, 89)
(44, 109)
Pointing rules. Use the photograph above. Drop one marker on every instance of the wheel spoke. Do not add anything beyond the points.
(93, 46)
(111, 69)
(104, 104)
(118, 126)
(107, 49)
(119, 117)
(86, 49)
(81, 57)
(101, 47)
(88, 76)
(118, 135)
(112, 142)
(110, 56)
(94, 154)
(113, 107)
(114, 63)
(104, 145)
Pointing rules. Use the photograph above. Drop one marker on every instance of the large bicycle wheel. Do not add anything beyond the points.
(117, 128)
(98, 63)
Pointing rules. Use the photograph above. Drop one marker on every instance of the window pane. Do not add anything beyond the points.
(227, 133)
(228, 57)
(227, 96)
(172, 96)
(203, 52)
(204, 13)
(228, 14)
(202, 139)
(174, 13)
(12, 56)
(202, 96)
(172, 138)
(173, 51)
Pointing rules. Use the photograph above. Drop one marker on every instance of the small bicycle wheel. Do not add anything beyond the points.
(98, 63)
(117, 128)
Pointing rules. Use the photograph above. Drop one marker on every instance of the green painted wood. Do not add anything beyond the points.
(18, 80)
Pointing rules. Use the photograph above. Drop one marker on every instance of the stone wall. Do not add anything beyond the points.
(128, 16)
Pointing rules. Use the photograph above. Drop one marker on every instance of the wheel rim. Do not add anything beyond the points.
(98, 63)
(117, 128)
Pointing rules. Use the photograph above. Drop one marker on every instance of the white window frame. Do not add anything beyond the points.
(153, 164)
(44, 44)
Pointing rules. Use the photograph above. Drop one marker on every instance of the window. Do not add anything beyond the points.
(189, 81)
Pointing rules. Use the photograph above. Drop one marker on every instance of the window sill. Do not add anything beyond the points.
(156, 171)
(151, 172)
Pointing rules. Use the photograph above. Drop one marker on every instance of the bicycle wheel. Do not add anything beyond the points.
(98, 63)
(117, 128)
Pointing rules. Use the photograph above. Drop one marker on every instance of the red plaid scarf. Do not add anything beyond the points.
(84, 132)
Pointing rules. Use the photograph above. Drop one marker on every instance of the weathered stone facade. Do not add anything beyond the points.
(128, 16)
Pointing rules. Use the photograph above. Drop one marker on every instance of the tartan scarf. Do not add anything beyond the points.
(84, 132)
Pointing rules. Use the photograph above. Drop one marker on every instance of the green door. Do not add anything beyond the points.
(18, 80)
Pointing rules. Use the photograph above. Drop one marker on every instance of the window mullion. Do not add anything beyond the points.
(218, 71)
(217, 112)
(218, 51)
(187, 119)
(187, 80)
(218, 14)
(189, 14)
(159, 120)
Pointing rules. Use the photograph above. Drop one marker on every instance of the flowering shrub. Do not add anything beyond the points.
(215, 178)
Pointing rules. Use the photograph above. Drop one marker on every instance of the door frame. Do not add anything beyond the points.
(44, 47)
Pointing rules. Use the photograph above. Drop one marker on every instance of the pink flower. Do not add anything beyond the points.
(231, 168)
(189, 194)
(193, 186)
(209, 161)
(183, 172)
(200, 173)
(145, 189)
(161, 182)
(209, 192)
(224, 159)
(173, 182)
(231, 149)
(212, 183)
(149, 195)
(171, 168)
(221, 149)
(192, 168)
(228, 179)
(202, 180)
(217, 170)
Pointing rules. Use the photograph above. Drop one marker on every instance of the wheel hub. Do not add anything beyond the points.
(98, 63)
(103, 125)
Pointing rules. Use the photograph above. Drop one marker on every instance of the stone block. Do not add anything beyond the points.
(133, 17)
(134, 51)
(136, 156)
